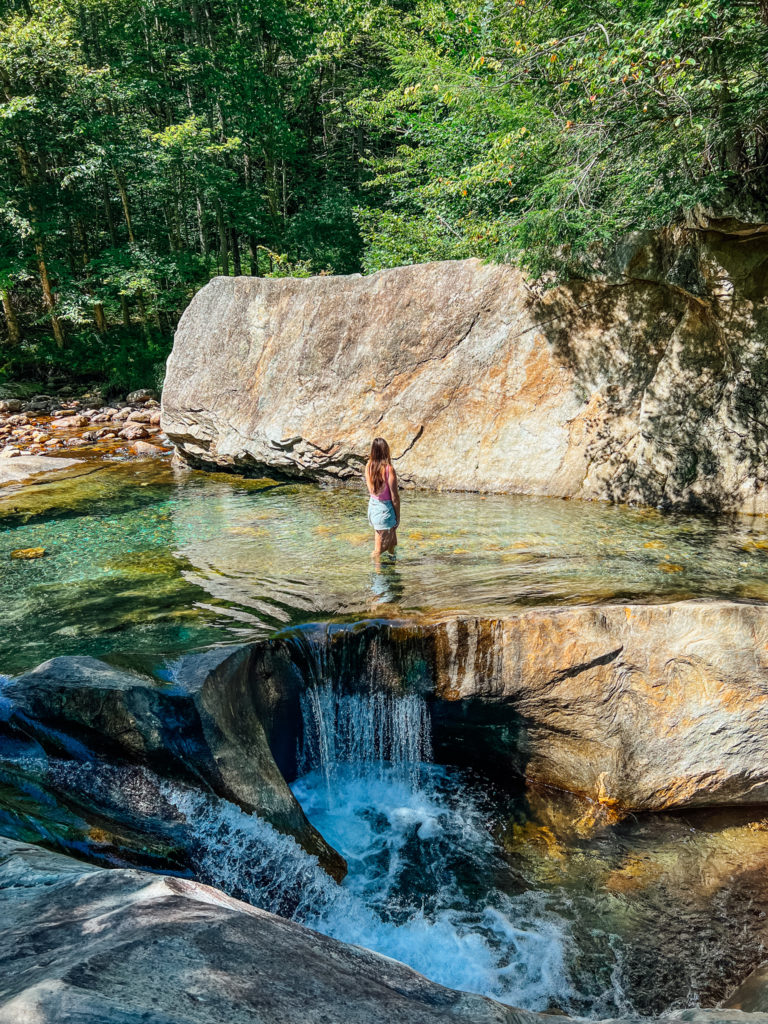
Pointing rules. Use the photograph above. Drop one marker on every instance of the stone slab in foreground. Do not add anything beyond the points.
(31, 467)
(84, 945)
(81, 944)
(642, 388)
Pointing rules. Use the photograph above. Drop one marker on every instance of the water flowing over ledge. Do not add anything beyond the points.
(411, 751)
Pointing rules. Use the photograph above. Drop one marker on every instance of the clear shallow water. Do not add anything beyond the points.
(140, 559)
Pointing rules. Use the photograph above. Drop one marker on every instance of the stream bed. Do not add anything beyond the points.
(147, 561)
(530, 896)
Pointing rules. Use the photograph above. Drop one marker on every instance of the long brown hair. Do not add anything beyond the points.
(378, 461)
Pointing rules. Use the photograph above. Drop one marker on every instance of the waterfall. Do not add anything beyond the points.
(422, 885)
(363, 728)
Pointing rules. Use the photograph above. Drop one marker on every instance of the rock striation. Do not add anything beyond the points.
(642, 387)
(638, 707)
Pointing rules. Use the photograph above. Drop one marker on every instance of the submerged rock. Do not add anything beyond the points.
(202, 731)
(27, 553)
(640, 388)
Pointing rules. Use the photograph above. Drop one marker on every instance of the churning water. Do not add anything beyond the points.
(424, 873)
(476, 888)
(423, 869)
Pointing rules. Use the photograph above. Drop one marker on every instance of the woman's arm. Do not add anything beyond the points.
(394, 490)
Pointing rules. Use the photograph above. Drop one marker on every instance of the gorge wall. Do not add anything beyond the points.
(635, 707)
(646, 387)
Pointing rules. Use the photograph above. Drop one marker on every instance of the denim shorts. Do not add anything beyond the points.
(381, 514)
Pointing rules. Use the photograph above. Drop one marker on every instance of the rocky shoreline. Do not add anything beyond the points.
(47, 425)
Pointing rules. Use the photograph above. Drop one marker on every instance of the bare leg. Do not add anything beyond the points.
(389, 540)
(378, 536)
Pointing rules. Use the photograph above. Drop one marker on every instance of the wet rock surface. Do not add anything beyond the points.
(26, 467)
(195, 730)
(640, 388)
(83, 944)
(125, 947)
(636, 707)
(752, 995)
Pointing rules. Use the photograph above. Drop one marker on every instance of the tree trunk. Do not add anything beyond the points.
(29, 181)
(48, 296)
(236, 265)
(11, 320)
(99, 318)
(124, 200)
(253, 247)
(223, 246)
(200, 227)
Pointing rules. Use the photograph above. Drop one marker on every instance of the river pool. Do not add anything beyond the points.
(528, 896)
(147, 561)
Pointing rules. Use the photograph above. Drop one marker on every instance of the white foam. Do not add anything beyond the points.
(396, 838)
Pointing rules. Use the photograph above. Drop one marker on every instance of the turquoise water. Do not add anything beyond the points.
(527, 896)
(145, 562)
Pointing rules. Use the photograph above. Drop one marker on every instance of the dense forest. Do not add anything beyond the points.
(147, 145)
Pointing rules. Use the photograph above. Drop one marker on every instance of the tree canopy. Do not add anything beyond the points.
(147, 145)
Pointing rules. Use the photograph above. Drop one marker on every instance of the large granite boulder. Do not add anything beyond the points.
(202, 730)
(644, 387)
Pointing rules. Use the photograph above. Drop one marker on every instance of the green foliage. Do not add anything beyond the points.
(147, 145)
(539, 133)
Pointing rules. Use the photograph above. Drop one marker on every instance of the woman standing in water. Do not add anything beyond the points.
(384, 503)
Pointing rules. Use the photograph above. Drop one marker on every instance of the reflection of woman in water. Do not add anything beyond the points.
(384, 504)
